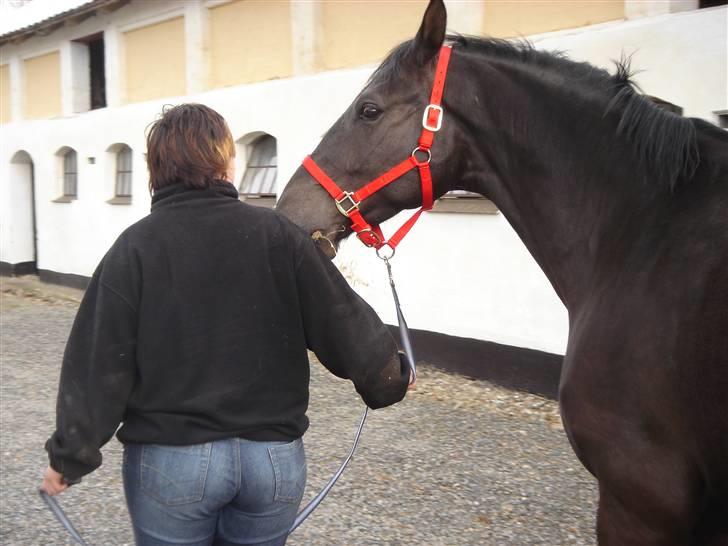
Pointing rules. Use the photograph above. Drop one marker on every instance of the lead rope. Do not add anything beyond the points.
(313, 504)
(406, 344)
(62, 517)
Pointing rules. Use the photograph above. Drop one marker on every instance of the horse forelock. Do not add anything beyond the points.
(665, 143)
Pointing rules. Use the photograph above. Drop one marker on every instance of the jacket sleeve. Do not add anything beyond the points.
(97, 376)
(345, 332)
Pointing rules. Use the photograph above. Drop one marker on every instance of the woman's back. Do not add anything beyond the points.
(194, 332)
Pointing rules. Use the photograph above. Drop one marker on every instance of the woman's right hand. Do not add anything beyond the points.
(53, 482)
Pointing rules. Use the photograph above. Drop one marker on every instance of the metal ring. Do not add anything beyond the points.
(417, 161)
(385, 258)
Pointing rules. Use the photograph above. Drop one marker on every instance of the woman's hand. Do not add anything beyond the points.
(53, 482)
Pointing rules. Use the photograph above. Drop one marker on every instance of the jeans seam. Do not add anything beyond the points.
(238, 466)
(205, 470)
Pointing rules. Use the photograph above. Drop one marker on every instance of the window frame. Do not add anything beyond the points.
(70, 177)
(259, 162)
(113, 168)
(66, 174)
(120, 181)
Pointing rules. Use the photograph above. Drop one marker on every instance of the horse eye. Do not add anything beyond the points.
(369, 111)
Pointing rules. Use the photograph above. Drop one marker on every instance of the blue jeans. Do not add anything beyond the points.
(220, 493)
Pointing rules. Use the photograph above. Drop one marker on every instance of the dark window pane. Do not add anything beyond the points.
(261, 170)
(98, 73)
(69, 184)
(69, 173)
(123, 172)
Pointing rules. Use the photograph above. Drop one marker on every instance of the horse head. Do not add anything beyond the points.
(377, 131)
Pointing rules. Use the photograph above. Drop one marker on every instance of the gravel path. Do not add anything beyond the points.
(460, 462)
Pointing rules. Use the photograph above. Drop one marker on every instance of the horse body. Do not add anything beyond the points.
(625, 208)
(643, 272)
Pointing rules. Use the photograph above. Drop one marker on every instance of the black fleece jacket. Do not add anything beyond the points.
(195, 327)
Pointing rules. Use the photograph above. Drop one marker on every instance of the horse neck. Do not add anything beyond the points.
(553, 164)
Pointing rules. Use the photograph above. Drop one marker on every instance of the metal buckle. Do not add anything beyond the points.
(354, 205)
(377, 240)
(426, 115)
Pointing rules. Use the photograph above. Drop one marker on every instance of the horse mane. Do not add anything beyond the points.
(665, 143)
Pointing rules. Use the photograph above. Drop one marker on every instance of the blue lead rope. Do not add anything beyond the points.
(61, 517)
(404, 334)
(313, 504)
(406, 344)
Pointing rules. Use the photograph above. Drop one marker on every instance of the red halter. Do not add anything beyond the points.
(348, 202)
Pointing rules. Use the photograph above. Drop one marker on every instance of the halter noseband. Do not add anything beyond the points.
(348, 202)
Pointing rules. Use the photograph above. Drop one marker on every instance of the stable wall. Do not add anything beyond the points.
(461, 274)
(249, 41)
(5, 114)
(42, 97)
(504, 19)
(155, 61)
(364, 32)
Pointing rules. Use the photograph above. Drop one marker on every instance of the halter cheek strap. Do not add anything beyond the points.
(348, 202)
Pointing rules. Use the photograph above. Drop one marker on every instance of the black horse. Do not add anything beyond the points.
(624, 205)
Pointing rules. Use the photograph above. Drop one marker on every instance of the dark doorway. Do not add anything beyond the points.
(97, 69)
(98, 73)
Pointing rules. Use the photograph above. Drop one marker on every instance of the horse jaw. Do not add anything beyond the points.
(315, 214)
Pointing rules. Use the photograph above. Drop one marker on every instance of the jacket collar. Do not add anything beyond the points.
(175, 193)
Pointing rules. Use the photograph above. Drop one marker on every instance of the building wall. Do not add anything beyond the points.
(465, 275)
(506, 19)
(670, 55)
(42, 90)
(155, 61)
(5, 112)
(250, 40)
(359, 33)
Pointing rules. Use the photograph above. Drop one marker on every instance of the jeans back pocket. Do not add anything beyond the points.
(289, 467)
(175, 475)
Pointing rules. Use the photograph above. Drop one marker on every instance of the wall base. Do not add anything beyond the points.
(511, 367)
(13, 270)
(515, 368)
(64, 279)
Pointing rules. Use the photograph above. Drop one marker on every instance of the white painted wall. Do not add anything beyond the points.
(465, 275)
(681, 57)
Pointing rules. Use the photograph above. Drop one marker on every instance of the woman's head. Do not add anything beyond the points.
(191, 144)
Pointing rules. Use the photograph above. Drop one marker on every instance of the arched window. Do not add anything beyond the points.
(66, 175)
(70, 174)
(123, 172)
(258, 181)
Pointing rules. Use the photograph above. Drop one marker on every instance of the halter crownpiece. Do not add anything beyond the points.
(348, 203)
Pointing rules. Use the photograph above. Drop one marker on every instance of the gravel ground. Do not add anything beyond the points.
(459, 462)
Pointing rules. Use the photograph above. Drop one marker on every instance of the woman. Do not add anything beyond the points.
(193, 334)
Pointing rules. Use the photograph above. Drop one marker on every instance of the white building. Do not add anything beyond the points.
(80, 81)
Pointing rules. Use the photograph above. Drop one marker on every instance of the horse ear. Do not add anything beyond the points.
(431, 35)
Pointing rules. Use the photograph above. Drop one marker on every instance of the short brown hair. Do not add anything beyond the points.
(189, 143)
